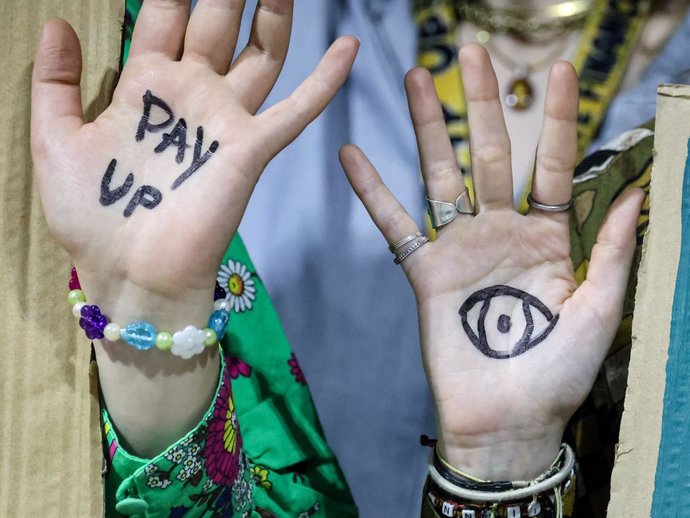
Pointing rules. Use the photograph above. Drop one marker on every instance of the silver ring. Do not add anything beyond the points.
(443, 212)
(416, 245)
(563, 207)
(402, 242)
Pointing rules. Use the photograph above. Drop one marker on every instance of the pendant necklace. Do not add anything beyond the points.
(520, 92)
(540, 25)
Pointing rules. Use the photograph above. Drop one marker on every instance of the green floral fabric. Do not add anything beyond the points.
(259, 451)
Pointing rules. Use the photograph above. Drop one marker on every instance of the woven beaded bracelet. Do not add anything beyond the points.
(143, 335)
(543, 505)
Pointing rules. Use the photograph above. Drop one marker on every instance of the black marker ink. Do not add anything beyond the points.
(145, 123)
(108, 196)
(146, 196)
(504, 324)
(198, 160)
(177, 137)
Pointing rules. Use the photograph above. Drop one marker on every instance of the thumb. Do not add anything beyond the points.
(609, 269)
(56, 108)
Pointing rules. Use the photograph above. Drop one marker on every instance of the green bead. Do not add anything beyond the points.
(164, 341)
(210, 337)
(75, 296)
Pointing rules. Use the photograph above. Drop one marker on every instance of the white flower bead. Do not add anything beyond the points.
(188, 342)
(112, 332)
(222, 305)
(76, 309)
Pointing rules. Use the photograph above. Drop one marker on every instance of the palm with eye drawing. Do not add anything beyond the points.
(511, 344)
(164, 174)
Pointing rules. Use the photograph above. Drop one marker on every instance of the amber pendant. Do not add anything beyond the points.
(520, 93)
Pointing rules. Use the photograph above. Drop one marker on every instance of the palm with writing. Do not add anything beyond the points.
(146, 198)
(198, 118)
(511, 344)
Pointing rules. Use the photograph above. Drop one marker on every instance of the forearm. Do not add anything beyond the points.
(155, 401)
(154, 397)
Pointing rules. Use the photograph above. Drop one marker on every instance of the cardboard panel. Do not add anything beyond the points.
(50, 456)
(656, 424)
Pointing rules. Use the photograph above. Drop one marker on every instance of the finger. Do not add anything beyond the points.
(212, 33)
(256, 69)
(386, 212)
(557, 152)
(56, 108)
(489, 142)
(160, 28)
(442, 176)
(286, 120)
(609, 267)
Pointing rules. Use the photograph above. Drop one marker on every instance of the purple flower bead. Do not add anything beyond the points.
(93, 322)
(220, 293)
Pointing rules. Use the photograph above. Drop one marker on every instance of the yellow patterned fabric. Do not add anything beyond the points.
(607, 42)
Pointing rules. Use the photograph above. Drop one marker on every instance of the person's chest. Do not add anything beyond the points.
(510, 57)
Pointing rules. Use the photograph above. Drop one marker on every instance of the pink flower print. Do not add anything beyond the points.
(296, 370)
(112, 450)
(237, 368)
(223, 439)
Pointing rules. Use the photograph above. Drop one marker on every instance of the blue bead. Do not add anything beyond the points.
(218, 322)
(140, 335)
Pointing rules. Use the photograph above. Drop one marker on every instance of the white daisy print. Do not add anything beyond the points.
(236, 279)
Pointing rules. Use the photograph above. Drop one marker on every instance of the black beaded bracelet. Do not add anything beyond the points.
(444, 504)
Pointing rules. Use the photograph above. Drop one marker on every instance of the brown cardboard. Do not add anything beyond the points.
(636, 459)
(50, 455)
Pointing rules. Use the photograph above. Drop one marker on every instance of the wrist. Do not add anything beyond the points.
(125, 301)
(503, 455)
(154, 396)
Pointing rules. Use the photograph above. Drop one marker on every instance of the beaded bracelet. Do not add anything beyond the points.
(143, 335)
(543, 505)
(454, 493)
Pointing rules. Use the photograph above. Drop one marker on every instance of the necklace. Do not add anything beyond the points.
(527, 22)
(520, 94)
(609, 34)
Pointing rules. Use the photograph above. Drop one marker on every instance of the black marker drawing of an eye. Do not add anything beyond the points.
(479, 305)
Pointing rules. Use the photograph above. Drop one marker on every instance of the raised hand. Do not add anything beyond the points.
(153, 189)
(511, 344)
(146, 198)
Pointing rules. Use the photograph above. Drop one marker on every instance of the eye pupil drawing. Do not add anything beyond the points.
(524, 303)
(504, 323)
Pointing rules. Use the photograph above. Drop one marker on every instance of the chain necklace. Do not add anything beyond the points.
(526, 22)
(605, 47)
(544, 24)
